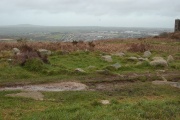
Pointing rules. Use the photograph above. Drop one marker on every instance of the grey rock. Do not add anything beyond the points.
(158, 58)
(105, 102)
(133, 58)
(170, 59)
(159, 62)
(115, 66)
(121, 54)
(107, 58)
(45, 52)
(147, 54)
(143, 59)
(16, 51)
(80, 70)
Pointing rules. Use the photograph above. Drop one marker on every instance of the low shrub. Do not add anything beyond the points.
(139, 47)
(34, 65)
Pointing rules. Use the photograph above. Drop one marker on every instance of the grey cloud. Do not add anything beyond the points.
(95, 7)
(132, 13)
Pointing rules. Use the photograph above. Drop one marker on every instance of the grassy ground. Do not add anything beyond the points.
(136, 101)
(62, 68)
(141, 100)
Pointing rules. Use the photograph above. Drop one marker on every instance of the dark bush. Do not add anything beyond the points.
(163, 35)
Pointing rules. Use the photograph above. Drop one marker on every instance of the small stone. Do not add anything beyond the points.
(147, 54)
(158, 58)
(133, 58)
(115, 66)
(121, 54)
(16, 51)
(45, 52)
(170, 59)
(79, 70)
(107, 58)
(143, 59)
(105, 102)
(159, 62)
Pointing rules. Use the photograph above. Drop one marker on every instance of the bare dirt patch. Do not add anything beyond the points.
(173, 84)
(108, 86)
(63, 86)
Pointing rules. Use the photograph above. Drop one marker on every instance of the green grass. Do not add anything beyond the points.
(63, 66)
(139, 101)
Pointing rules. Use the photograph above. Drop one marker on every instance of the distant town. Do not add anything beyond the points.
(64, 34)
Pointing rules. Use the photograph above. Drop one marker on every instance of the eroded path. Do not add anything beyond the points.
(62, 86)
(34, 91)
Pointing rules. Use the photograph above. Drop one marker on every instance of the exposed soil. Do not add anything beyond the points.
(34, 91)
(173, 84)
(63, 86)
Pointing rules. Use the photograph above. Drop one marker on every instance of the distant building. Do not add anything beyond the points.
(177, 25)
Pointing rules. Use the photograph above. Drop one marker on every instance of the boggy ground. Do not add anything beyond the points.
(129, 89)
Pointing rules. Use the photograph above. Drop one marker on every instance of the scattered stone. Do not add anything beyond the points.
(45, 52)
(159, 62)
(31, 94)
(143, 59)
(115, 66)
(147, 54)
(158, 58)
(80, 70)
(133, 58)
(107, 58)
(105, 102)
(170, 59)
(121, 54)
(16, 51)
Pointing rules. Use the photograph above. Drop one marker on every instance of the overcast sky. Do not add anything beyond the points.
(116, 13)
